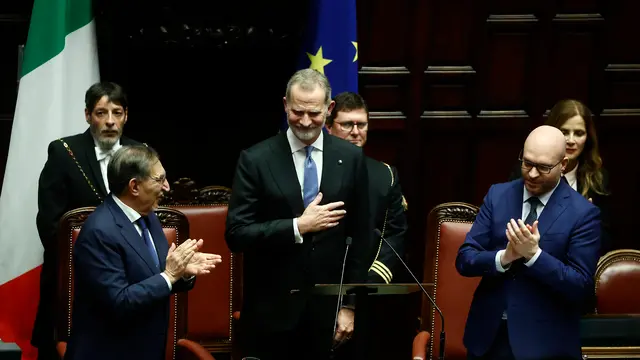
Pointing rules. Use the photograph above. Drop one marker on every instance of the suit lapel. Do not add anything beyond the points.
(284, 174)
(94, 166)
(332, 168)
(130, 234)
(554, 207)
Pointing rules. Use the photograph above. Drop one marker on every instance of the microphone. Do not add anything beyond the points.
(442, 334)
(348, 241)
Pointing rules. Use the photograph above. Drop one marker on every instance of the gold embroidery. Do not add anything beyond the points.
(66, 146)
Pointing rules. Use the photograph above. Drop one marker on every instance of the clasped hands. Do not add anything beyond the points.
(186, 261)
(523, 241)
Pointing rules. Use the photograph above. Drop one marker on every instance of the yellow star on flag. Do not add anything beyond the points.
(355, 45)
(318, 62)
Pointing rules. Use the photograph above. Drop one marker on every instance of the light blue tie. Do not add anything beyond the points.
(310, 186)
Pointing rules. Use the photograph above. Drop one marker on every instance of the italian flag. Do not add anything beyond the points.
(60, 64)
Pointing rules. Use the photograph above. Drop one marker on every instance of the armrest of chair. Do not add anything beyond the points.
(61, 348)
(192, 350)
(420, 342)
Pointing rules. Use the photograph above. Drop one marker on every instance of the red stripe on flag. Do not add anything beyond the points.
(19, 299)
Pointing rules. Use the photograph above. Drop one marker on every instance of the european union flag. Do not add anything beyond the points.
(330, 44)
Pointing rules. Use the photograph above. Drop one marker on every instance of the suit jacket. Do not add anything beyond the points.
(278, 273)
(121, 302)
(387, 206)
(544, 301)
(63, 187)
(603, 202)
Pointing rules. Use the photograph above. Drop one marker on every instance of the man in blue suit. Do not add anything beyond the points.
(537, 273)
(125, 270)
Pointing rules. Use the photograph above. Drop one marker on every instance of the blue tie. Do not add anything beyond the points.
(310, 186)
(142, 222)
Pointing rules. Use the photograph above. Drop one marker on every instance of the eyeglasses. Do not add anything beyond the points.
(159, 179)
(528, 165)
(348, 125)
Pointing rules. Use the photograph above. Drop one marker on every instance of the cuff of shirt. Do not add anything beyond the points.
(166, 278)
(534, 258)
(499, 266)
(296, 232)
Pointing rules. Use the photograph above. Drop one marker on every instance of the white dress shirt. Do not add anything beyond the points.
(103, 158)
(299, 155)
(572, 177)
(133, 216)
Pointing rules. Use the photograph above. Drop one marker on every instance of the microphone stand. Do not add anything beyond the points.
(442, 333)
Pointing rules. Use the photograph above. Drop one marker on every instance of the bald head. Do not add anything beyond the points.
(548, 141)
(543, 159)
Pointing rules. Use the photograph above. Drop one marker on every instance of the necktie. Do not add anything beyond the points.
(310, 185)
(533, 213)
(142, 222)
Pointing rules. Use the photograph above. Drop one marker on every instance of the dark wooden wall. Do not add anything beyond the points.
(454, 85)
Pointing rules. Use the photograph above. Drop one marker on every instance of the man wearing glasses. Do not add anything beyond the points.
(537, 273)
(349, 120)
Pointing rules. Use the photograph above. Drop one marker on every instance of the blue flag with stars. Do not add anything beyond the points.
(330, 44)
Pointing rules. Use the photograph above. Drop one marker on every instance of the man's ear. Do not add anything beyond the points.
(134, 187)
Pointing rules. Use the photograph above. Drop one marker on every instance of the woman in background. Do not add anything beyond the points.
(584, 172)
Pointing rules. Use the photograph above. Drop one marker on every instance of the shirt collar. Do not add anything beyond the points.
(572, 176)
(131, 214)
(544, 198)
(297, 145)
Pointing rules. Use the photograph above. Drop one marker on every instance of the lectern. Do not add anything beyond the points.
(361, 338)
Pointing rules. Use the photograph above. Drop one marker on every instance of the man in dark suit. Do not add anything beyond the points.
(125, 270)
(296, 197)
(537, 273)
(349, 120)
(75, 176)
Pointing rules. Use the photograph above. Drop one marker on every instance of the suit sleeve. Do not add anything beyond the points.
(98, 264)
(243, 231)
(359, 226)
(473, 258)
(52, 195)
(394, 231)
(573, 277)
(183, 285)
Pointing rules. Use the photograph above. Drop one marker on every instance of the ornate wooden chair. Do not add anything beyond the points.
(216, 300)
(176, 229)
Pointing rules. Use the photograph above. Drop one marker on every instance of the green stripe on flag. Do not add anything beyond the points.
(51, 21)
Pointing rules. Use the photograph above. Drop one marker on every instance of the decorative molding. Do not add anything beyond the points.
(76, 218)
(387, 115)
(185, 192)
(622, 67)
(170, 217)
(181, 33)
(384, 70)
(215, 194)
(578, 17)
(514, 18)
(455, 114)
(502, 114)
(13, 18)
(458, 211)
(447, 70)
(620, 112)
